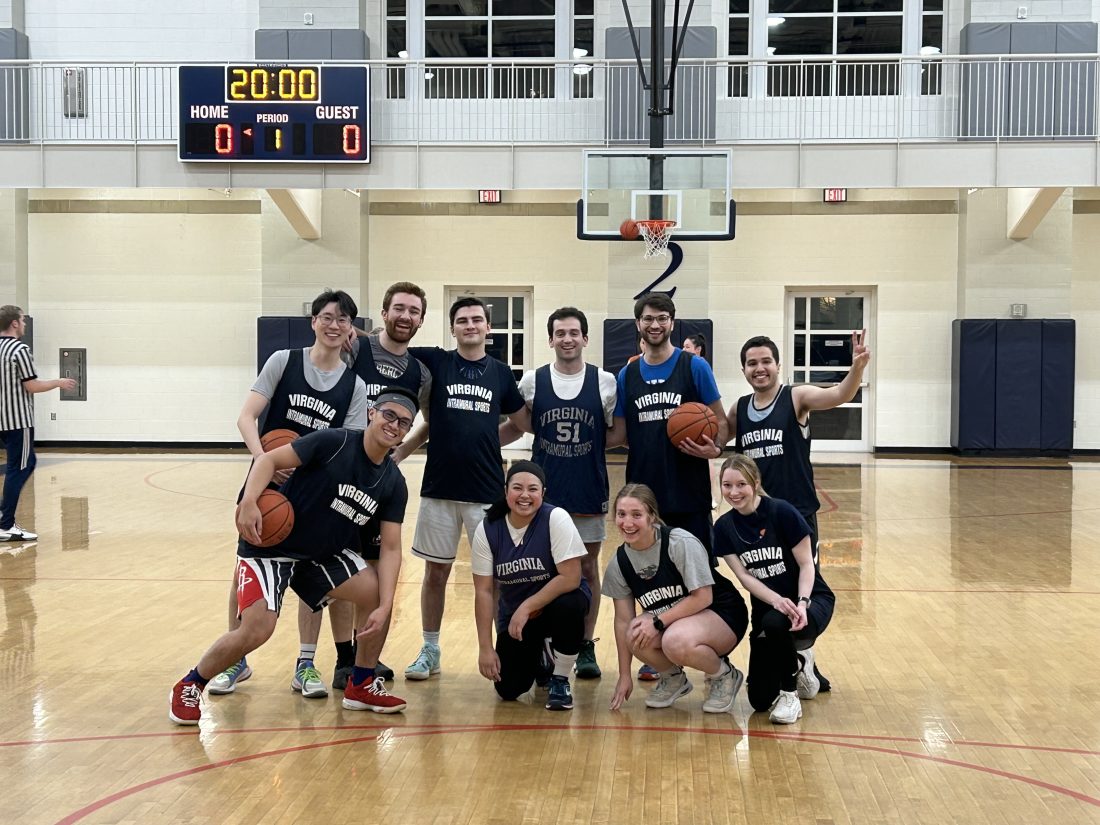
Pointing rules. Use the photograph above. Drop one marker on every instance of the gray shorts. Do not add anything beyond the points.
(439, 526)
(591, 528)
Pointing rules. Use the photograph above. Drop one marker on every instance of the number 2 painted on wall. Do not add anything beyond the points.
(674, 264)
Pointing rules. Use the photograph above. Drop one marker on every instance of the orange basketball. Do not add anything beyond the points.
(277, 515)
(629, 229)
(691, 420)
(276, 438)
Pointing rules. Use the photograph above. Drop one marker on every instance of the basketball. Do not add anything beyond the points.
(629, 229)
(276, 438)
(277, 515)
(691, 420)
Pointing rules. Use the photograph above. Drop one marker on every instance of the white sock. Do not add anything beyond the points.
(724, 667)
(431, 638)
(675, 670)
(307, 652)
(563, 665)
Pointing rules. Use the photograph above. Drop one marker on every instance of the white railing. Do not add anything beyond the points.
(729, 101)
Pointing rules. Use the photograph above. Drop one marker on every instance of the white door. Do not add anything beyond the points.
(509, 320)
(820, 323)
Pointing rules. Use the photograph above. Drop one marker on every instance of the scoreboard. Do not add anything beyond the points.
(274, 112)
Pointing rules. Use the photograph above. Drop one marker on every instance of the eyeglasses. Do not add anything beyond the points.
(655, 319)
(403, 424)
(328, 320)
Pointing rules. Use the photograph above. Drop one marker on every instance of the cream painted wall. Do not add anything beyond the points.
(1086, 311)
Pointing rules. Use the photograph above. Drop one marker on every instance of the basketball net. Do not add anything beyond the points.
(656, 234)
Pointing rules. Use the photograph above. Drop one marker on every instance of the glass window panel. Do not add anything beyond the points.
(830, 351)
(858, 398)
(799, 6)
(868, 5)
(523, 38)
(802, 36)
(799, 313)
(585, 7)
(739, 6)
(496, 346)
(456, 38)
(456, 8)
(840, 424)
(524, 81)
(517, 313)
(826, 376)
(933, 5)
(395, 37)
(582, 35)
(800, 376)
(931, 31)
(523, 8)
(498, 312)
(800, 350)
(517, 348)
(836, 313)
(868, 35)
(931, 73)
(739, 35)
(395, 8)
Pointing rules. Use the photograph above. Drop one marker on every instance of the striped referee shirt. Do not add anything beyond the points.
(16, 366)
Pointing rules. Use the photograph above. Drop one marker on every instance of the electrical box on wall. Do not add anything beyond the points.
(73, 364)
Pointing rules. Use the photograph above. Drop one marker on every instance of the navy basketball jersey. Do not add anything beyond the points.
(522, 570)
(377, 377)
(680, 481)
(780, 446)
(297, 406)
(569, 443)
(660, 591)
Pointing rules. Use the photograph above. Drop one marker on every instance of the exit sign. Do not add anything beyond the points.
(836, 195)
(488, 196)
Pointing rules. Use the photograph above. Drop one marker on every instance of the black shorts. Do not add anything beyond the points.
(733, 612)
(268, 578)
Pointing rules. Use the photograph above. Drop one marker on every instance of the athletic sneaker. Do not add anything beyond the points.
(226, 681)
(307, 680)
(383, 671)
(17, 533)
(340, 677)
(426, 664)
(806, 680)
(722, 690)
(648, 673)
(669, 688)
(184, 703)
(787, 709)
(561, 697)
(586, 667)
(372, 695)
(545, 667)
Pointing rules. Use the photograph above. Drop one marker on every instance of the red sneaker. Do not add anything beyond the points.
(372, 695)
(185, 700)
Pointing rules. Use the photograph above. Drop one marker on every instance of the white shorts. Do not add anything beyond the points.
(439, 526)
(591, 528)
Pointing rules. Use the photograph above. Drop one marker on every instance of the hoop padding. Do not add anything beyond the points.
(656, 234)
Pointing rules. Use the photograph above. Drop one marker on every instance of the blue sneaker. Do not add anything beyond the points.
(307, 680)
(561, 697)
(425, 665)
(647, 673)
(226, 681)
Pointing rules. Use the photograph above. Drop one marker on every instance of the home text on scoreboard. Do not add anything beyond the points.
(280, 113)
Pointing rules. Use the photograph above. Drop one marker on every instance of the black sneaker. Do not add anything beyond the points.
(561, 697)
(340, 677)
(384, 672)
(586, 666)
(545, 668)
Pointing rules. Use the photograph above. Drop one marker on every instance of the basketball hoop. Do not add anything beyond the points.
(656, 234)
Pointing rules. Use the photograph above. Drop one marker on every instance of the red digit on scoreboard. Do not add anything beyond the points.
(351, 139)
(223, 139)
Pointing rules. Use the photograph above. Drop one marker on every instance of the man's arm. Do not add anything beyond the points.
(616, 434)
(517, 424)
(413, 441)
(808, 398)
(36, 385)
(247, 422)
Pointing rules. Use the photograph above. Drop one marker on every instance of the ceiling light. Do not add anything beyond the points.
(579, 53)
(403, 54)
(776, 21)
(927, 50)
(771, 51)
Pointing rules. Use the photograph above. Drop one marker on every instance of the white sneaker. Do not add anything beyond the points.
(787, 709)
(17, 533)
(426, 663)
(806, 680)
(307, 680)
(670, 687)
(722, 690)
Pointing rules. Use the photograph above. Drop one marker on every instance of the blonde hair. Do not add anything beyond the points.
(643, 494)
(746, 467)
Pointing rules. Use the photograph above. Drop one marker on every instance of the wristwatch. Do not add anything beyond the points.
(657, 623)
(804, 599)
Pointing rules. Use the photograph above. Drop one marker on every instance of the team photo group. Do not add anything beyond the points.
(322, 507)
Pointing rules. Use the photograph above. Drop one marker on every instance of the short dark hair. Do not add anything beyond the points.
(469, 301)
(700, 342)
(338, 297)
(658, 300)
(561, 315)
(9, 314)
(407, 287)
(760, 341)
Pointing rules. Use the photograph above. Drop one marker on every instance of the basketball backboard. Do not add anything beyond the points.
(689, 186)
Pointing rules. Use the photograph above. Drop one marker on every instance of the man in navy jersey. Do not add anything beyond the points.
(772, 426)
(649, 390)
(463, 472)
(570, 409)
(344, 479)
(304, 390)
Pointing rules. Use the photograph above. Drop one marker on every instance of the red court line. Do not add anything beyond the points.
(98, 804)
(833, 506)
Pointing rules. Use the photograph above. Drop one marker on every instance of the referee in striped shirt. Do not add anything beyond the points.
(18, 384)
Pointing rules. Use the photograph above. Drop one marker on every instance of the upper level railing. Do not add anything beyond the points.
(602, 102)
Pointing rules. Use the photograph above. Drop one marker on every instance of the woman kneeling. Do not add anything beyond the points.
(694, 617)
(532, 552)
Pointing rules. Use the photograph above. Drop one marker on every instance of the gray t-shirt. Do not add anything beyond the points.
(320, 380)
(685, 551)
(392, 366)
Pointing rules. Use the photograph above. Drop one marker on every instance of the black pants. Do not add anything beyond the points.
(773, 661)
(698, 523)
(561, 621)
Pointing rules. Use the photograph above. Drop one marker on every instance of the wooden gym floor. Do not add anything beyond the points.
(963, 655)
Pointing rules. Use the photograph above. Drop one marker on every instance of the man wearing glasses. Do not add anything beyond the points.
(304, 390)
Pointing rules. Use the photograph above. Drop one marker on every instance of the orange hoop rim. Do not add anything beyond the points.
(654, 224)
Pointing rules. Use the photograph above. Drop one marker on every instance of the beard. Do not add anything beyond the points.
(397, 334)
(658, 340)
